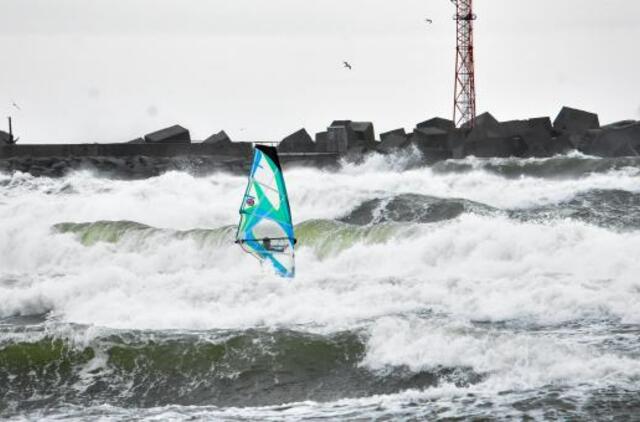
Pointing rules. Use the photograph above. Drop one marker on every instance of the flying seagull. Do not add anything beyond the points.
(13, 103)
(347, 65)
(428, 20)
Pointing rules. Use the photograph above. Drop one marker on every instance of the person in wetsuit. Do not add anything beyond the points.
(266, 243)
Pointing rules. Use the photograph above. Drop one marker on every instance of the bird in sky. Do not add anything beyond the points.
(429, 21)
(347, 65)
(13, 103)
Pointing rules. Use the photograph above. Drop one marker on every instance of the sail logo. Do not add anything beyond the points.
(250, 201)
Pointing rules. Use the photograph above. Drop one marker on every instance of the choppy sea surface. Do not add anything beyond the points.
(498, 288)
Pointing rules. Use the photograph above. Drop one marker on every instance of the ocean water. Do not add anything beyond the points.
(497, 289)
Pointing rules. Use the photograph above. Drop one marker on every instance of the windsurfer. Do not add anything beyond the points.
(265, 229)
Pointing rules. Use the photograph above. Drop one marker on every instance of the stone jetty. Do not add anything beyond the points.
(436, 139)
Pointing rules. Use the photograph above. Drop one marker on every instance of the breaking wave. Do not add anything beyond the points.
(470, 288)
(574, 165)
(234, 368)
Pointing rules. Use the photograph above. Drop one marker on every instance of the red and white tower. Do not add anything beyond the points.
(464, 101)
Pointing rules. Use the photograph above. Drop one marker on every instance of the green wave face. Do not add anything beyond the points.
(325, 237)
(242, 368)
(103, 231)
(373, 222)
(329, 237)
(376, 221)
(90, 234)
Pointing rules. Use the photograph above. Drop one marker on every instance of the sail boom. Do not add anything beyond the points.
(270, 238)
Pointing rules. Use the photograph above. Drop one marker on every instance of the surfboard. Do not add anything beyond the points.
(266, 229)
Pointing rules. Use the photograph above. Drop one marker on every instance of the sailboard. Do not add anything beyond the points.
(265, 229)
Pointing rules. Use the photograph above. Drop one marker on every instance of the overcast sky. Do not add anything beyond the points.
(112, 70)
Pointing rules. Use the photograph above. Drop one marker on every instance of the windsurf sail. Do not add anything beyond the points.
(265, 230)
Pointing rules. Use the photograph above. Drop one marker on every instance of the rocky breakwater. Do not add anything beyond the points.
(436, 139)
(152, 154)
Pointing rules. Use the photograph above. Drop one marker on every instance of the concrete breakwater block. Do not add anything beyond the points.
(340, 136)
(456, 141)
(437, 123)
(575, 121)
(223, 144)
(489, 138)
(485, 126)
(432, 142)
(299, 141)
(437, 139)
(498, 147)
(172, 135)
(343, 135)
(619, 125)
(541, 140)
(430, 137)
(393, 140)
(519, 127)
(218, 138)
(364, 132)
(582, 141)
(621, 141)
(396, 132)
(321, 141)
(559, 145)
(515, 138)
(538, 136)
(5, 138)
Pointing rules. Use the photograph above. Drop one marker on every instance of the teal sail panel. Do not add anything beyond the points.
(265, 230)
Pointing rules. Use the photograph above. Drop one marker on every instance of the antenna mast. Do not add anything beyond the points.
(10, 131)
(464, 101)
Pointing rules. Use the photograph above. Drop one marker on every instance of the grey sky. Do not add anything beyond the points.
(111, 70)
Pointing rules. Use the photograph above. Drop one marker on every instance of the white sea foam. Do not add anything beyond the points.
(181, 201)
(486, 268)
(474, 268)
(513, 360)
